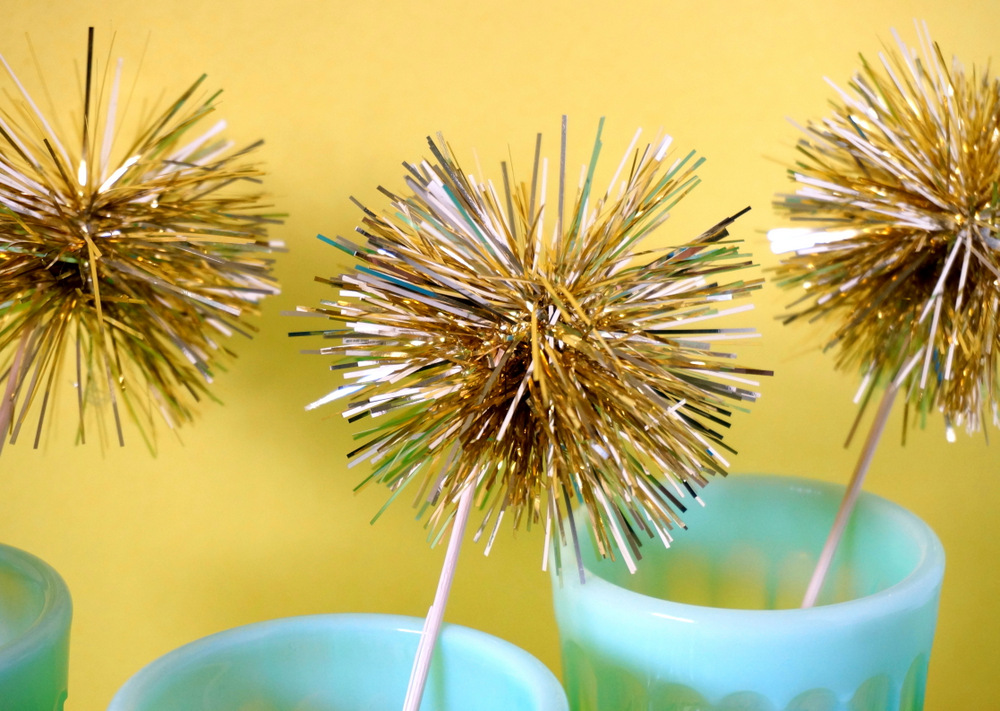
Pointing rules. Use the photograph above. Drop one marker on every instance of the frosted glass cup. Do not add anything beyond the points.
(340, 663)
(712, 624)
(35, 614)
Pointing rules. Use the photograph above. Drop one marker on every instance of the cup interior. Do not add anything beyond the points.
(22, 600)
(340, 663)
(755, 542)
(34, 605)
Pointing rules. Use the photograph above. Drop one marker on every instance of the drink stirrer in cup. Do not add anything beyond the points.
(519, 368)
(898, 187)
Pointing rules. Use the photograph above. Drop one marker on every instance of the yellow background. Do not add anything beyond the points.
(252, 516)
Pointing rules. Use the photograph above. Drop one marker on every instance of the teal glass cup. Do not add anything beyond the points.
(35, 615)
(348, 662)
(713, 623)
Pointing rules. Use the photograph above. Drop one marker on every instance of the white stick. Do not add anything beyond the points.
(435, 615)
(850, 497)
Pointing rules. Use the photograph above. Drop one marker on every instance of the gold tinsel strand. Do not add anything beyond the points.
(499, 340)
(897, 190)
(123, 267)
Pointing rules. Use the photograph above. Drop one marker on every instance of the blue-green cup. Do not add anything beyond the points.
(35, 614)
(711, 624)
(340, 663)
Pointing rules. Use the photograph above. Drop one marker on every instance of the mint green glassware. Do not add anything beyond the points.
(340, 663)
(35, 614)
(712, 624)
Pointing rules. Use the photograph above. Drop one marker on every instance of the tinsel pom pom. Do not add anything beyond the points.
(503, 340)
(124, 265)
(898, 248)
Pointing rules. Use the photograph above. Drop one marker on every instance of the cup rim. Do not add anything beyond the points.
(56, 609)
(926, 574)
(531, 671)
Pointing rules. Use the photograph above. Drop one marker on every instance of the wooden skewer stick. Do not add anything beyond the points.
(850, 496)
(435, 615)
